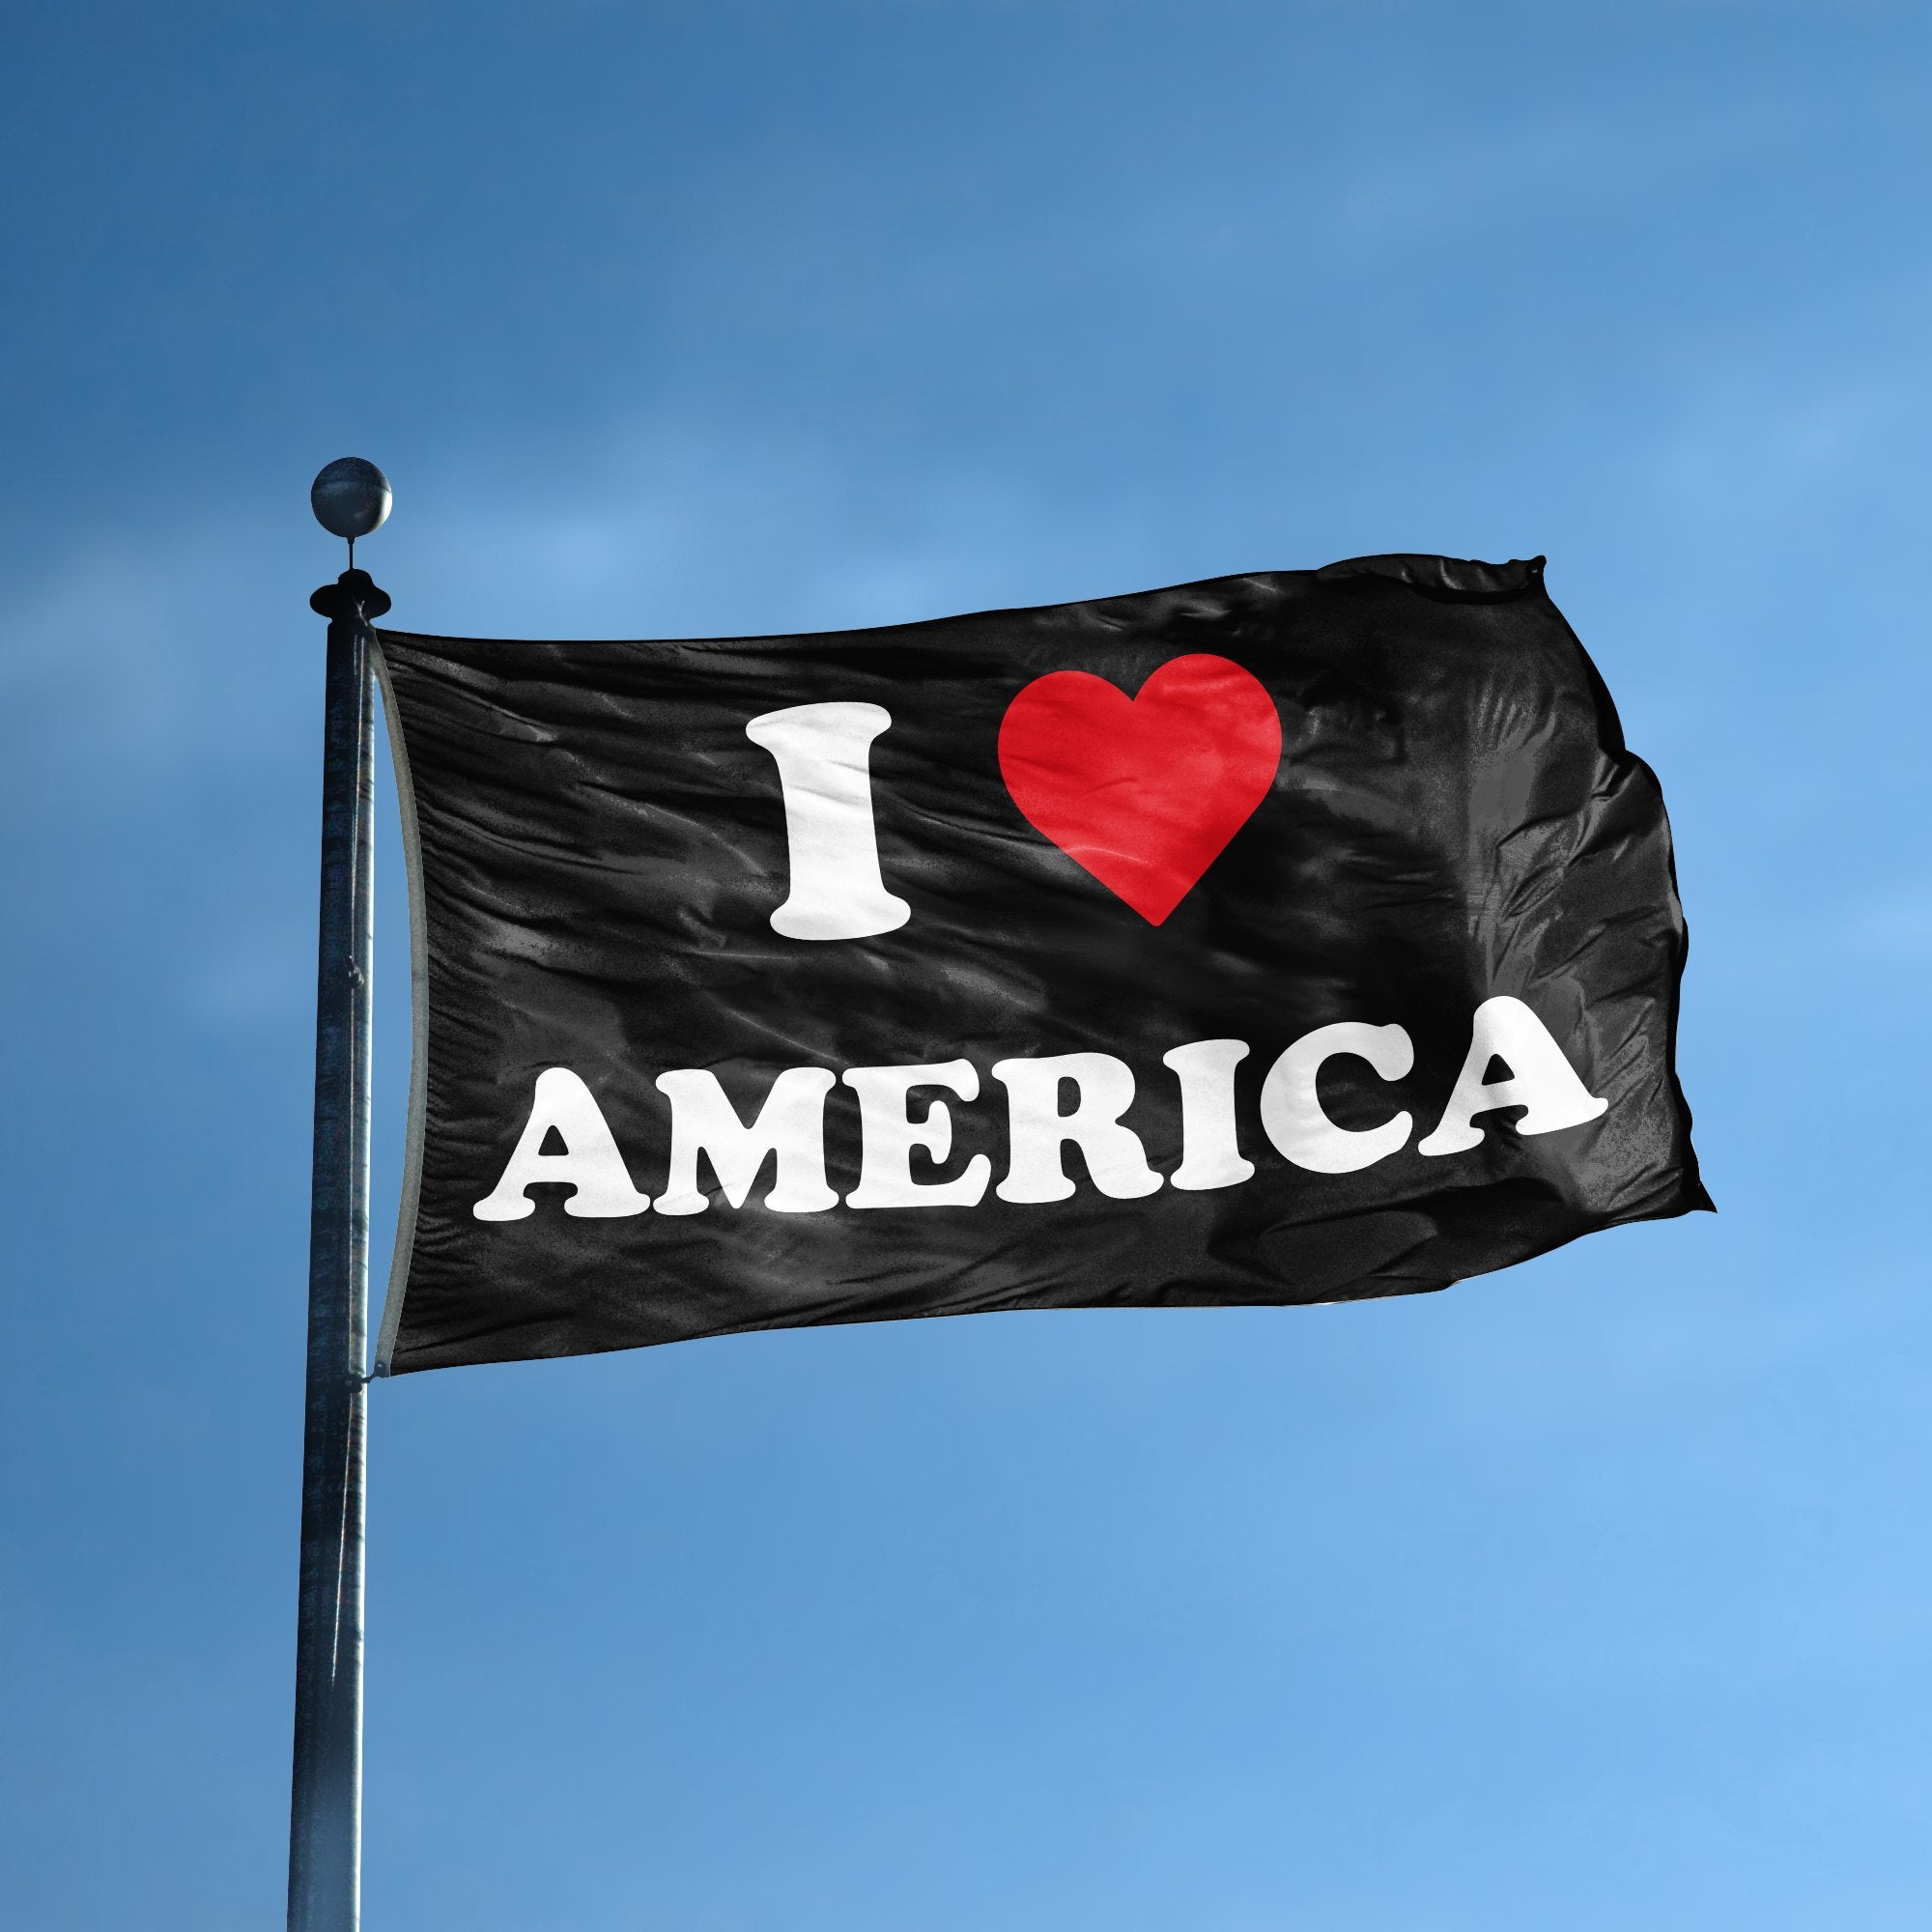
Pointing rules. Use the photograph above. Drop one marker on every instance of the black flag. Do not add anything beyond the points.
(1286, 938)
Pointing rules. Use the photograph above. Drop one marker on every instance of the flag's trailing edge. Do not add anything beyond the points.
(1286, 938)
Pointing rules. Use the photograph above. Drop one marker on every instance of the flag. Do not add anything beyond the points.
(1294, 937)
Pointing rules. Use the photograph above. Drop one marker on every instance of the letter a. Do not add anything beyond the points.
(1541, 1080)
(823, 753)
(563, 1105)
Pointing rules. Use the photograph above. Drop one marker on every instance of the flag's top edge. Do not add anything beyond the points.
(1461, 578)
(1445, 578)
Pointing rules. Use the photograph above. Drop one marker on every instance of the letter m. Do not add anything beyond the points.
(789, 1130)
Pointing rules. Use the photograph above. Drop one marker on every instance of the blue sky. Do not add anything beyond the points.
(1593, 1595)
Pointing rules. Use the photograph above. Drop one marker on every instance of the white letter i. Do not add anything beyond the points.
(823, 753)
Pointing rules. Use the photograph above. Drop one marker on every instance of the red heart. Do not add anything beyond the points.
(1142, 791)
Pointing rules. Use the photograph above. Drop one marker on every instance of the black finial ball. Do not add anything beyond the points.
(350, 498)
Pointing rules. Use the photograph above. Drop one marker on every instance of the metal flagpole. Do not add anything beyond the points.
(351, 498)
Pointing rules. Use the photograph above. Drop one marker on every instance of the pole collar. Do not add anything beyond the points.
(353, 598)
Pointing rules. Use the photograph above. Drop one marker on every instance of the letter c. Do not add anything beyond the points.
(1292, 1113)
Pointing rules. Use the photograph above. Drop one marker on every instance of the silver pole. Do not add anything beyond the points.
(326, 1820)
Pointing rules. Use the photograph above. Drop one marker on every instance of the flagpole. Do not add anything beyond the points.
(325, 1810)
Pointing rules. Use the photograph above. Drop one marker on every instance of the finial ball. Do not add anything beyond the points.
(350, 498)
